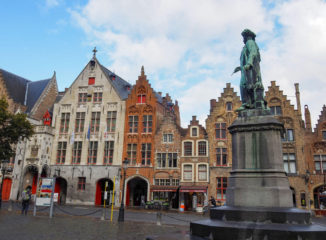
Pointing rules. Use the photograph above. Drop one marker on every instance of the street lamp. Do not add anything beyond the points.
(4, 170)
(121, 217)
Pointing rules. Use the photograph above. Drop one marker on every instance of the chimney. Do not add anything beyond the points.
(297, 96)
(307, 118)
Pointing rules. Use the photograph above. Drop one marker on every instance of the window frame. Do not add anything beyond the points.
(221, 186)
(167, 137)
(229, 106)
(64, 123)
(186, 148)
(220, 131)
(200, 148)
(276, 110)
(111, 121)
(92, 152)
(108, 152)
(199, 171)
(76, 152)
(132, 153)
(80, 122)
(81, 185)
(82, 98)
(184, 171)
(147, 123)
(146, 154)
(221, 154)
(287, 162)
(141, 98)
(95, 122)
(170, 160)
(97, 97)
(61, 152)
(322, 161)
(133, 123)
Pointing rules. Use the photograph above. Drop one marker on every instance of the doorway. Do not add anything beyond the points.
(100, 191)
(137, 189)
(61, 189)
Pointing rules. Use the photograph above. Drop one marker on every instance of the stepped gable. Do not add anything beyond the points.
(321, 119)
(274, 95)
(34, 91)
(228, 95)
(16, 86)
(122, 87)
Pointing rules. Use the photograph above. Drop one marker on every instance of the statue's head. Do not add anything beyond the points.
(246, 34)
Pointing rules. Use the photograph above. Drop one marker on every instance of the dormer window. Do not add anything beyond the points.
(91, 81)
(141, 98)
(92, 64)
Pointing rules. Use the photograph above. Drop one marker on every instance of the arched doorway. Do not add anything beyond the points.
(30, 177)
(61, 189)
(6, 189)
(100, 190)
(137, 189)
(320, 197)
(293, 197)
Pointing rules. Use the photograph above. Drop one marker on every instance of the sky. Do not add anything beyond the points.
(189, 48)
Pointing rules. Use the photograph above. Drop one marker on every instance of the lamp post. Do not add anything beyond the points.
(121, 217)
(4, 170)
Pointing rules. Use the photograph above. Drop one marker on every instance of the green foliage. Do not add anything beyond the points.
(12, 127)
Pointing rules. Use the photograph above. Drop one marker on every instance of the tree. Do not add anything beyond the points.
(12, 128)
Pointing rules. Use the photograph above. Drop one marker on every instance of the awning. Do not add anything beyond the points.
(158, 188)
(202, 189)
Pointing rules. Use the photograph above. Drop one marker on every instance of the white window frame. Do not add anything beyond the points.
(197, 147)
(191, 128)
(192, 172)
(192, 146)
(197, 172)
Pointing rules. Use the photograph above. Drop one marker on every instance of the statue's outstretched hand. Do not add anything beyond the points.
(237, 69)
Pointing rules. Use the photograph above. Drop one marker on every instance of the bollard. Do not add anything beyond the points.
(158, 219)
(10, 206)
(103, 215)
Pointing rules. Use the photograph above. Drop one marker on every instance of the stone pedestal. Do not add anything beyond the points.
(258, 198)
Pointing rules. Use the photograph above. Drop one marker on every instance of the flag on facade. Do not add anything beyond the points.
(72, 137)
(89, 132)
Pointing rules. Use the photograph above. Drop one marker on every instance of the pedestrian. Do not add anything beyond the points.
(213, 201)
(26, 197)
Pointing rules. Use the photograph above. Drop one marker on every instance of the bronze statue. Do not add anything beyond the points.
(251, 86)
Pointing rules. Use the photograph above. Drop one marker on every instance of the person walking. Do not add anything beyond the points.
(26, 197)
(212, 200)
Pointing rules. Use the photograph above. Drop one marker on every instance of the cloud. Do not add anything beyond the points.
(190, 49)
(51, 3)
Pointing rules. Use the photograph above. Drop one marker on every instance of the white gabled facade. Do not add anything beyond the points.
(83, 120)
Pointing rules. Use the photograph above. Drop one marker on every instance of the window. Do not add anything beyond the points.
(76, 152)
(82, 97)
(162, 181)
(194, 132)
(91, 81)
(175, 182)
(147, 123)
(97, 97)
(229, 106)
(64, 124)
(187, 148)
(221, 156)
(141, 98)
(111, 121)
(320, 163)
(187, 172)
(167, 137)
(61, 152)
(202, 172)
(108, 152)
(146, 153)
(222, 184)
(92, 153)
(288, 135)
(324, 135)
(133, 124)
(80, 121)
(276, 110)
(81, 183)
(95, 122)
(220, 130)
(167, 160)
(289, 162)
(202, 150)
(131, 153)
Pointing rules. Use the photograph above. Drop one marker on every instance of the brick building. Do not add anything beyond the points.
(222, 114)
(88, 124)
(145, 111)
(194, 162)
(315, 151)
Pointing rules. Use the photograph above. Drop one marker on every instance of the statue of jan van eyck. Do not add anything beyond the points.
(251, 86)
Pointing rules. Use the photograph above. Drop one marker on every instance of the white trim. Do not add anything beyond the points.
(197, 147)
(191, 131)
(197, 172)
(193, 148)
(192, 172)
